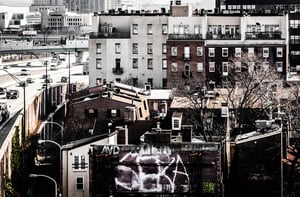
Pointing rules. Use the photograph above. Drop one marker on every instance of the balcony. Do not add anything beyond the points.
(263, 35)
(210, 36)
(117, 71)
(97, 35)
(185, 37)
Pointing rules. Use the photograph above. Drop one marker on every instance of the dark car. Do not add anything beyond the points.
(30, 80)
(49, 80)
(12, 94)
(64, 79)
(2, 90)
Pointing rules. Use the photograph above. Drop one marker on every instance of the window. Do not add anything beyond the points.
(186, 52)
(91, 112)
(265, 66)
(279, 52)
(164, 48)
(238, 52)
(211, 66)
(117, 48)
(164, 64)
(238, 66)
(211, 52)
(98, 63)
(197, 29)
(150, 82)
(141, 112)
(224, 52)
(98, 48)
(225, 68)
(98, 81)
(265, 52)
(150, 63)
(251, 66)
(187, 70)
(135, 48)
(174, 51)
(113, 113)
(164, 29)
(199, 51)
(118, 63)
(164, 82)
(199, 67)
(135, 82)
(149, 48)
(176, 123)
(135, 63)
(135, 29)
(145, 104)
(174, 85)
(250, 52)
(79, 183)
(279, 66)
(78, 165)
(149, 29)
(174, 67)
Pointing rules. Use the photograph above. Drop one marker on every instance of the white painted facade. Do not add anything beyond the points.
(72, 187)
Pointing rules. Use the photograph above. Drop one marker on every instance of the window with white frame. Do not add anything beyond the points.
(199, 51)
(150, 63)
(164, 29)
(238, 66)
(251, 52)
(238, 52)
(186, 52)
(174, 67)
(79, 183)
(279, 66)
(251, 66)
(265, 66)
(149, 48)
(197, 29)
(265, 52)
(98, 48)
(79, 162)
(149, 29)
(279, 51)
(199, 67)
(164, 64)
(211, 52)
(135, 29)
(135, 63)
(224, 52)
(212, 67)
(117, 48)
(164, 48)
(135, 49)
(113, 113)
(174, 51)
(176, 123)
(98, 63)
(225, 68)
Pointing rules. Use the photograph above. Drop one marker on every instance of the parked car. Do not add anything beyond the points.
(30, 80)
(6, 67)
(25, 72)
(53, 67)
(28, 64)
(2, 90)
(12, 94)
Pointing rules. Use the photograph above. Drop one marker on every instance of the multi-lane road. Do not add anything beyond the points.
(37, 69)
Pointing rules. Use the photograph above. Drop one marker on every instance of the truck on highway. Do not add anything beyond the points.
(4, 113)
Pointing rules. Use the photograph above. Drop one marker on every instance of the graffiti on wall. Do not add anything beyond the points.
(156, 172)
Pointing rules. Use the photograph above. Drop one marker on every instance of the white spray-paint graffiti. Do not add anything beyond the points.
(155, 172)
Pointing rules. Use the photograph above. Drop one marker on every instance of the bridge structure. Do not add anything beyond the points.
(24, 46)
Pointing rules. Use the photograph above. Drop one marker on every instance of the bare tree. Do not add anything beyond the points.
(252, 84)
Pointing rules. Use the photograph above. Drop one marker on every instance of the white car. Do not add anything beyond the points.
(25, 72)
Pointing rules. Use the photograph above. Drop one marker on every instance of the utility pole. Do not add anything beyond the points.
(69, 74)
(46, 90)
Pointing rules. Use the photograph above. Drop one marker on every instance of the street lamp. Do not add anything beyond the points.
(60, 155)
(23, 84)
(59, 125)
(42, 175)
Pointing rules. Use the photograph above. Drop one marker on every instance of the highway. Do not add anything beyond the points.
(37, 70)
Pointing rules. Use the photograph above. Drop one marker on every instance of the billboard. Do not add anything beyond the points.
(148, 169)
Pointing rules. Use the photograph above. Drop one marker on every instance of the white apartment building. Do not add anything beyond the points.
(128, 49)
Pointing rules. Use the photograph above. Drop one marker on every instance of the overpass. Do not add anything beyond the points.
(24, 46)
